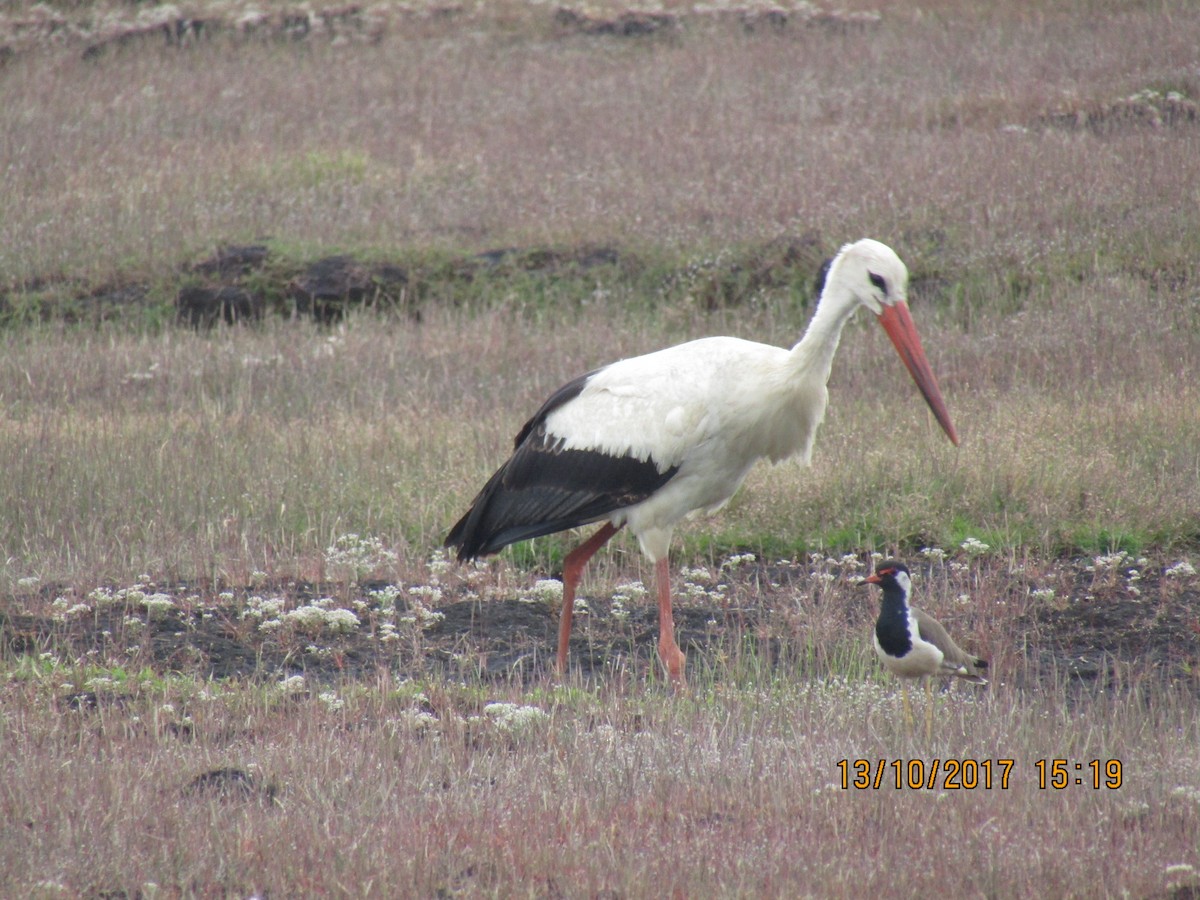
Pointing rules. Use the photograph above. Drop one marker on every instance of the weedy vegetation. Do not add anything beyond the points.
(234, 660)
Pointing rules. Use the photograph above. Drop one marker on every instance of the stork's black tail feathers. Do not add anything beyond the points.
(545, 489)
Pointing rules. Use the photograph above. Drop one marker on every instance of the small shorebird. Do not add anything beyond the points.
(912, 644)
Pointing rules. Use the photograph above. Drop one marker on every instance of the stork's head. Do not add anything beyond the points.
(877, 278)
(872, 272)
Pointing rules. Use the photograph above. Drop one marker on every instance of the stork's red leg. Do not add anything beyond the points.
(668, 651)
(572, 572)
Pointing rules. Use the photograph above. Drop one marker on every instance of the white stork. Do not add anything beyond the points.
(913, 644)
(646, 441)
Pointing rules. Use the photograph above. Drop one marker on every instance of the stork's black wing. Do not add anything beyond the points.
(544, 488)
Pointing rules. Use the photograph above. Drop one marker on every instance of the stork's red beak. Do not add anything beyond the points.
(873, 578)
(898, 323)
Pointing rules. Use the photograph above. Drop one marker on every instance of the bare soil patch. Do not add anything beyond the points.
(1100, 631)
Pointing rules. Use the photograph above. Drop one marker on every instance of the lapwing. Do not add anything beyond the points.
(912, 644)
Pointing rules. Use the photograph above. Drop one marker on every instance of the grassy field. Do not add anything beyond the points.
(235, 662)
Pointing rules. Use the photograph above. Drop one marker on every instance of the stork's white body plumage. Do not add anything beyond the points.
(649, 440)
(710, 408)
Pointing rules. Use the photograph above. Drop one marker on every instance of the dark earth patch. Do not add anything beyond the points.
(1100, 629)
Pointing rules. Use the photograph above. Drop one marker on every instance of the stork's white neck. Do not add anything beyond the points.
(815, 350)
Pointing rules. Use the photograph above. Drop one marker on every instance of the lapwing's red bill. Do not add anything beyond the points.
(897, 322)
(876, 577)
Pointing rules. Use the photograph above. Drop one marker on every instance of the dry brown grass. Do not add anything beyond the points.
(1056, 293)
(474, 138)
(735, 791)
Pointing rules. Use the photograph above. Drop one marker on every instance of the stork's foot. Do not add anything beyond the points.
(674, 662)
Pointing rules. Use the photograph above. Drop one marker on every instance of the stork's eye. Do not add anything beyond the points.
(878, 281)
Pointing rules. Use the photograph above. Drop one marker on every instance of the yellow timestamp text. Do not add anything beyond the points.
(1057, 774)
(975, 774)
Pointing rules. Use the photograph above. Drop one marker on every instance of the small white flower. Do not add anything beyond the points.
(439, 564)
(630, 590)
(308, 617)
(385, 596)
(427, 593)
(738, 560)
(513, 718)
(699, 575)
(354, 556)
(292, 685)
(342, 621)
(546, 590)
(262, 607)
(420, 615)
(974, 546)
(1109, 561)
(936, 554)
(416, 719)
(102, 597)
(157, 604)
(331, 700)
(1181, 569)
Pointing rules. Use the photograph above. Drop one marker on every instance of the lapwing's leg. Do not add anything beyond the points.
(928, 710)
(908, 717)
